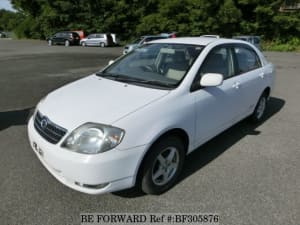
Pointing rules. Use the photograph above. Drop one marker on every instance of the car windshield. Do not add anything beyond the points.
(157, 65)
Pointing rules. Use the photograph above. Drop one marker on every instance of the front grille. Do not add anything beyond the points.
(47, 129)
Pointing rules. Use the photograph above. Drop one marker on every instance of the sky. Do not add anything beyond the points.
(5, 4)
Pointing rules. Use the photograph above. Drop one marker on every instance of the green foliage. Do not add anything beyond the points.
(132, 18)
(278, 45)
(8, 20)
(228, 18)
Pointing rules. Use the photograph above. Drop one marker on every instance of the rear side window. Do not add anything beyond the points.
(247, 59)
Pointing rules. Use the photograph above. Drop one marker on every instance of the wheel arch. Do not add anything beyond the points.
(267, 91)
(182, 134)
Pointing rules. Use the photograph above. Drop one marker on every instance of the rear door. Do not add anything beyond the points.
(56, 38)
(92, 39)
(98, 39)
(251, 73)
(64, 36)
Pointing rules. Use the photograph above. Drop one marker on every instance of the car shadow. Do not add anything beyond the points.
(216, 146)
(15, 117)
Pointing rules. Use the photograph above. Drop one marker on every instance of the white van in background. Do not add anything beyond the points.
(99, 39)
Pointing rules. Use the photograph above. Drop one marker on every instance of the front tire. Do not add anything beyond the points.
(162, 165)
(260, 109)
(83, 44)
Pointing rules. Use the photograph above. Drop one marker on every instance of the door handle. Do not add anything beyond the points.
(262, 75)
(236, 85)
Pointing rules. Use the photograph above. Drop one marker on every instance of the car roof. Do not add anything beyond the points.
(196, 40)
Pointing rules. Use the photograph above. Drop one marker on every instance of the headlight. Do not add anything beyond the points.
(92, 138)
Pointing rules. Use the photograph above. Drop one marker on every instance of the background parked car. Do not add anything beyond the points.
(2, 34)
(66, 38)
(255, 40)
(142, 40)
(115, 39)
(169, 35)
(98, 39)
(210, 36)
(80, 33)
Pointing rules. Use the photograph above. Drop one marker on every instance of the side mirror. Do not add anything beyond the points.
(211, 80)
(111, 62)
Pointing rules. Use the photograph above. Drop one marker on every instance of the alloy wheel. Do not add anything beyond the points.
(165, 166)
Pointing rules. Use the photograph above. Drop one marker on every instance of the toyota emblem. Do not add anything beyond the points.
(44, 123)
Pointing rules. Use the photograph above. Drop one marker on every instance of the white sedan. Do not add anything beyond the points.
(133, 122)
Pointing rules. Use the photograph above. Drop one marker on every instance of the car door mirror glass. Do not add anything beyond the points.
(211, 80)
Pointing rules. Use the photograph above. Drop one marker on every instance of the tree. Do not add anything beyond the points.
(131, 18)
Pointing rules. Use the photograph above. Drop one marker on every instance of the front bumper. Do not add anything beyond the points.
(110, 171)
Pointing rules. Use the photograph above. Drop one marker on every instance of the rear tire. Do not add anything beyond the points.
(260, 109)
(50, 43)
(102, 45)
(162, 165)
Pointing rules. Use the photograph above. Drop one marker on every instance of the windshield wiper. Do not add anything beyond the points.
(116, 76)
(103, 74)
(128, 79)
(158, 83)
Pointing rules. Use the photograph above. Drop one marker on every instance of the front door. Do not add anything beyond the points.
(219, 107)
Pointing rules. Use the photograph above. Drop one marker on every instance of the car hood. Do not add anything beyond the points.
(96, 99)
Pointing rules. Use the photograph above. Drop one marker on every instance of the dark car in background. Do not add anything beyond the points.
(2, 34)
(65, 38)
(255, 40)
